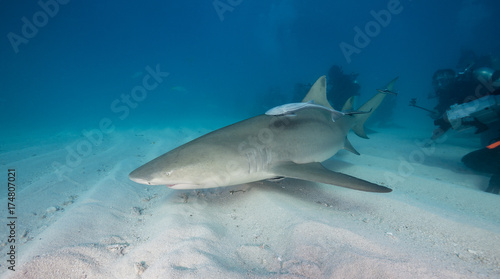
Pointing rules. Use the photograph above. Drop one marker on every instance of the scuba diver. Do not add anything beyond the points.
(341, 86)
(470, 98)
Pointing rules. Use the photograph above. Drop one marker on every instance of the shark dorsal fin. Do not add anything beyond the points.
(317, 93)
(349, 104)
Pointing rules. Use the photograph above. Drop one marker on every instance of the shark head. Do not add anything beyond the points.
(164, 170)
(172, 169)
(191, 166)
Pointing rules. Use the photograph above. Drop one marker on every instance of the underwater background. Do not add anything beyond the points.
(91, 90)
(66, 65)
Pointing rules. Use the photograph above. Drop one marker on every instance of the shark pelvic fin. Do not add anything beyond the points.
(317, 173)
(348, 146)
(317, 93)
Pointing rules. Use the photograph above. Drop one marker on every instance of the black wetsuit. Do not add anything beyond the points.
(487, 161)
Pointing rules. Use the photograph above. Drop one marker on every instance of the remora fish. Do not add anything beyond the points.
(291, 108)
(266, 147)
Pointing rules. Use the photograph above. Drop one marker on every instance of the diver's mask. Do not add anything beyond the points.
(443, 79)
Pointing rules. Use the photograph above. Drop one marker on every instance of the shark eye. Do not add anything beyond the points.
(168, 173)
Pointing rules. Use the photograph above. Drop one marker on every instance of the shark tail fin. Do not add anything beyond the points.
(369, 107)
(317, 93)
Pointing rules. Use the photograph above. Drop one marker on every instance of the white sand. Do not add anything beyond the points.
(437, 223)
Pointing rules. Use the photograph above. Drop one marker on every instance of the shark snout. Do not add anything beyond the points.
(138, 177)
(145, 176)
(139, 180)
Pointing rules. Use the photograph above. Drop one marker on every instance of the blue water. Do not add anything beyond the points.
(72, 71)
(223, 57)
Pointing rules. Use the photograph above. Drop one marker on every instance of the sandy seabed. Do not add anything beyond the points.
(90, 221)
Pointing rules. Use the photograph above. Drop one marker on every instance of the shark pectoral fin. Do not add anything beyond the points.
(317, 173)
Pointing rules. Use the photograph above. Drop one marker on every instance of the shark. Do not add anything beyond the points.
(268, 147)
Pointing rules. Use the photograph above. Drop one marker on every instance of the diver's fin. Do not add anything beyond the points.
(370, 106)
(317, 93)
(494, 185)
(349, 104)
(317, 173)
(348, 146)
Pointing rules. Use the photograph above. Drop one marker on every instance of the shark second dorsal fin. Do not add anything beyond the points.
(349, 104)
(317, 93)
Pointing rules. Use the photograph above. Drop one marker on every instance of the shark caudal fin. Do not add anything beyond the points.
(369, 107)
(317, 93)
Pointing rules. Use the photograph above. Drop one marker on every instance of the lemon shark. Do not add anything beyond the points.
(267, 147)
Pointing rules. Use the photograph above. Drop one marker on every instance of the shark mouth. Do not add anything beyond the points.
(183, 186)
